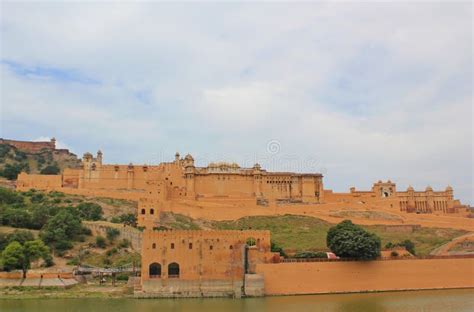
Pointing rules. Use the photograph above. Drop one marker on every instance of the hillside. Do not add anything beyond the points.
(46, 161)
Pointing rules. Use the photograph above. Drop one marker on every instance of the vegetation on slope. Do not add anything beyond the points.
(296, 233)
(13, 161)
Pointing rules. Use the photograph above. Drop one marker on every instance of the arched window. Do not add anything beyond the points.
(173, 270)
(143, 211)
(153, 246)
(251, 241)
(152, 211)
(155, 270)
(231, 247)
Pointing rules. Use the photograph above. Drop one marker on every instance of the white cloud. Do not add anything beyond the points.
(371, 90)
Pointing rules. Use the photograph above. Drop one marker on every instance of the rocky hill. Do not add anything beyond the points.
(15, 159)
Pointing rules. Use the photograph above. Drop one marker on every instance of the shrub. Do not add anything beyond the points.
(100, 242)
(348, 240)
(112, 233)
(50, 170)
(275, 248)
(90, 211)
(311, 254)
(124, 243)
(394, 254)
(122, 277)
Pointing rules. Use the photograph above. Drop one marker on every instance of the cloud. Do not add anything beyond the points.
(362, 91)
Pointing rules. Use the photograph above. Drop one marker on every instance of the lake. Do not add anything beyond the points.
(434, 300)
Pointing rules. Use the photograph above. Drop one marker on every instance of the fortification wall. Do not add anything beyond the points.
(363, 276)
(38, 181)
(31, 147)
(129, 233)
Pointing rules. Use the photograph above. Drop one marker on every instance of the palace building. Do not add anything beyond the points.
(181, 182)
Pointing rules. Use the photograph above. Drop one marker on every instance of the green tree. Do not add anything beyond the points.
(11, 171)
(10, 197)
(409, 245)
(61, 229)
(90, 211)
(18, 256)
(112, 233)
(51, 169)
(348, 240)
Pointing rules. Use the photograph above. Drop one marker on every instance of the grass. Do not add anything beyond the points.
(296, 233)
(76, 291)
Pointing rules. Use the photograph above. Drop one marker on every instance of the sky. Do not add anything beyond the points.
(359, 91)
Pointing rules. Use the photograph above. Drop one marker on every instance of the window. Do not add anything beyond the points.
(210, 247)
(173, 270)
(154, 270)
(153, 246)
(152, 211)
(190, 245)
(143, 211)
(172, 245)
(231, 247)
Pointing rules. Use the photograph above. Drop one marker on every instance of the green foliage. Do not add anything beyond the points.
(100, 241)
(122, 277)
(18, 256)
(61, 229)
(311, 254)
(127, 218)
(276, 248)
(51, 170)
(124, 243)
(407, 244)
(348, 240)
(112, 233)
(90, 211)
(11, 171)
(10, 197)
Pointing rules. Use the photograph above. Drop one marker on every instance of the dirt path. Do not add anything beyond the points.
(444, 249)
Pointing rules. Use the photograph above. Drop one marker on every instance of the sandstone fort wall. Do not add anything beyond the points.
(363, 276)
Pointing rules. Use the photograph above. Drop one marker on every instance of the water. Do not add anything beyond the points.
(437, 300)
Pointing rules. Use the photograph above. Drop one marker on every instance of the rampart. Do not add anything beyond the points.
(366, 276)
(31, 147)
(129, 233)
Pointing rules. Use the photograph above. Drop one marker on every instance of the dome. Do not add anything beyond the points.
(449, 188)
(410, 189)
(429, 189)
(189, 157)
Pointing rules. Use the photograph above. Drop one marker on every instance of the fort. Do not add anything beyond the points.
(181, 186)
(204, 263)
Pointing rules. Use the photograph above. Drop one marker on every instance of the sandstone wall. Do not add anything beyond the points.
(341, 277)
(129, 233)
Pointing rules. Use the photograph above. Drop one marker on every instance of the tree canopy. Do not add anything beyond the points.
(18, 256)
(348, 240)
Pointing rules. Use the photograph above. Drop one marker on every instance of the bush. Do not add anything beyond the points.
(409, 245)
(111, 251)
(100, 242)
(124, 243)
(311, 254)
(122, 277)
(348, 240)
(51, 170)
(112, 233)
(11, 171)
(394, 254)
(90, 211)
(275, 248)
(61, 229)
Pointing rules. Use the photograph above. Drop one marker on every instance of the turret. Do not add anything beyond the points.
(53, 141)
(99, 157)
(176, 158)
(188, 161)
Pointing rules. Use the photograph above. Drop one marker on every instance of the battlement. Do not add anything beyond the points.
(30, 146)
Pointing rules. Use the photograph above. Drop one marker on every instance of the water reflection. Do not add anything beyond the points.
(440, 300)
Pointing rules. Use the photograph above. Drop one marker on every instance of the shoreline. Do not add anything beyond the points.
(124, 292)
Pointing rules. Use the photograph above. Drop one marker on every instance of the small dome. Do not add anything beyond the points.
(87, 154)
(389, 181)
(189, 157)
(410, 188)
(99, 152)
(429, 189)
(379, 181)
(449, 188)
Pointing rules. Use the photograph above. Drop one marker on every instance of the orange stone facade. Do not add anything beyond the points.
(180, 183)
(202, 263)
